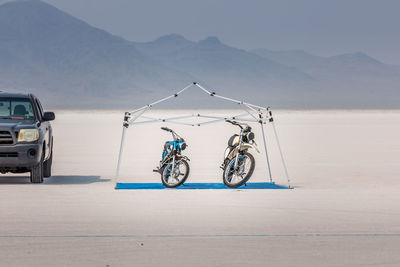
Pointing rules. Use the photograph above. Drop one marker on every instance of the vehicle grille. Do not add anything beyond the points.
(8, 154)
(6, 138)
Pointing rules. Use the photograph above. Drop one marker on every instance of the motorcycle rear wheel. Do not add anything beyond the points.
(229, 173)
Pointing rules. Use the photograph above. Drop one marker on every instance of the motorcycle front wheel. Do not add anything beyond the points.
(174, 177)
(245, 168)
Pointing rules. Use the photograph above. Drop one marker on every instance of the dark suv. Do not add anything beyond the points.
(26, 139)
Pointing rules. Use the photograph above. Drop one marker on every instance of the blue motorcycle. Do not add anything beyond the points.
(174, 168)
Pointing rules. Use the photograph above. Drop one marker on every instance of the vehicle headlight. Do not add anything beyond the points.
(183, 146)
(250, 136)
(28, 135)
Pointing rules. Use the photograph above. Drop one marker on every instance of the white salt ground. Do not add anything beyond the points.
(344, 210)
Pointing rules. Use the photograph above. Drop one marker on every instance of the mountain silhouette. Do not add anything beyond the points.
(352, 80)
(71, 64)
(45, 50)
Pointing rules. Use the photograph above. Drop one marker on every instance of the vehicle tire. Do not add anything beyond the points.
(165, 176)
(228, 170)
(47, 165)
(37, 172)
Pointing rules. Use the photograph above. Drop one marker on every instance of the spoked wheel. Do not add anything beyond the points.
(245, 167)
(173, 177)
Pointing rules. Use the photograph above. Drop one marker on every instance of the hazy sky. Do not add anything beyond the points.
(320, 26)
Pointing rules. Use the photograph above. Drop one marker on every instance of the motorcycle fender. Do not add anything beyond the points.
(233, 153)
(179, 156)
(185, 158)
(253, 147)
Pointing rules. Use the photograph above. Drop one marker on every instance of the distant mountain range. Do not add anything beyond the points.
(71, 64)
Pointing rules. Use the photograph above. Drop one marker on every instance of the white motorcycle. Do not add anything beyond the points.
(238, 163)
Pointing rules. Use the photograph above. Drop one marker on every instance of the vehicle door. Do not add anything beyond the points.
(46, 127)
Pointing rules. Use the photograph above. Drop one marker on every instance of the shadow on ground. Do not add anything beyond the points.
(75, 179)
(55, 180)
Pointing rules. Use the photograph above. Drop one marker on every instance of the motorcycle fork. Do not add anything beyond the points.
(173, 164)
(238, 152)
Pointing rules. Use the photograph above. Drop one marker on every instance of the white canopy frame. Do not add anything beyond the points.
(254, 113)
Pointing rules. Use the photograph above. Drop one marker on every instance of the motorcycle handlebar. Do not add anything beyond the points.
(236, 123)
(231, 122)
(174, 134)
(166, 129)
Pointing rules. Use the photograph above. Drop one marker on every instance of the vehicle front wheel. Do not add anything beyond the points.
(37, 172)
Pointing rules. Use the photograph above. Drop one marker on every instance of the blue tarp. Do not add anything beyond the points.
(198, 186)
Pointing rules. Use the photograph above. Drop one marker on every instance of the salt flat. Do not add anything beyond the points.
(344, 210)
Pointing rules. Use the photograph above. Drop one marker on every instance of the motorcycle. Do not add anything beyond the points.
(174, 168)
(238, 163)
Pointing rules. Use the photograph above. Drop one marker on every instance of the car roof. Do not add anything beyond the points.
(14, 95)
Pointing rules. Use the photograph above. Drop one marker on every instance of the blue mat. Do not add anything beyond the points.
(198, 186)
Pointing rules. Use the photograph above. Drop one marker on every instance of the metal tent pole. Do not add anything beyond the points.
(161, 100)
(237, 117)
(229, 99)
(280, 152)
(121, 148)
(161, 120)
(125, 125)
(266, 152)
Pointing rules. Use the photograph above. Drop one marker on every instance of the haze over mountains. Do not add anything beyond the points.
(71, 64)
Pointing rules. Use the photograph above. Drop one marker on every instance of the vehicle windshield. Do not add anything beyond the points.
(16, 109)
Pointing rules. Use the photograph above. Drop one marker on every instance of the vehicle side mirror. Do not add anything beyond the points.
(49, 116)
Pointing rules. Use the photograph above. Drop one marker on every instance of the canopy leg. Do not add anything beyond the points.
(280, 152)
(266, 152)
(127, 121)
(121, 149)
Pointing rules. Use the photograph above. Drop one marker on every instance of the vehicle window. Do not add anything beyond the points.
(16, 109)
(40, 107)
